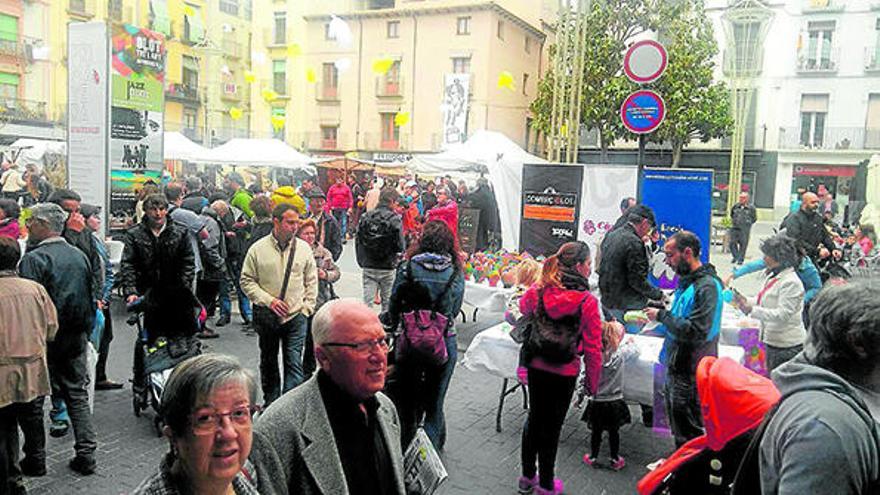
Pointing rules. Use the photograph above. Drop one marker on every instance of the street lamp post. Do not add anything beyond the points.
(746, 23)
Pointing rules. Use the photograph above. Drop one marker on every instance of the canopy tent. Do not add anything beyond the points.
(486, 152)
(37, 151)
(179, 147)
(259, 153)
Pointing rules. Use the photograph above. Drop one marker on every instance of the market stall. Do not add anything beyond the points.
(494, 352)
(259, 153)
(178, 147)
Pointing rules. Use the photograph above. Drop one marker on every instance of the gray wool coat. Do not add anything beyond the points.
(294, 451)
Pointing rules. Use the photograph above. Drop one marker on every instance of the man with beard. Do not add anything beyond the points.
(808, 228)
(690, 330)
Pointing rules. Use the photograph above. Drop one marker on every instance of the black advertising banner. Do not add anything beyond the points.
(551, 198)
(468, 221)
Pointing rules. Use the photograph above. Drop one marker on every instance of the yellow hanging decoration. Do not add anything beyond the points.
(311, 77)
(189, 10)
(269, 95)
(249, 77)
(505, 80)
(563, 131)
(294, 50)
(235, 113)
(381, 66)
(278, 122)
(401, 119)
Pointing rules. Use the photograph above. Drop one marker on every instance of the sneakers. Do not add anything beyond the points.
(618, 464)
(58, 428)
(107, 385)
(590, 461)
(558, 488)
(82, 465)
(222, 321)
(527, 485)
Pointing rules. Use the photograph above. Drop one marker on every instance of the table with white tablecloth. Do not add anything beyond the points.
(492, 351)
(485, 297)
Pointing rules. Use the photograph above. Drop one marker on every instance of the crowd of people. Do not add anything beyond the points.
(356, 382)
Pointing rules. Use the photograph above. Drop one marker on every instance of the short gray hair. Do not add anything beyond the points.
(196, 379)
(53, 215)
(844, 334)
(322, 322)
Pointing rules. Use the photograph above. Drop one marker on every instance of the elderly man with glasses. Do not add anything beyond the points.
(336, 434)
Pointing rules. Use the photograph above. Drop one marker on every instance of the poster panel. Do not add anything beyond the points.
(550, 207)
(138, 99)
(603, 188)
(468, 224)
(456, 91)
(681, 200)
(87, 110)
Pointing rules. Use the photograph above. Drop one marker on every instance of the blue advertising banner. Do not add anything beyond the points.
(681, 200)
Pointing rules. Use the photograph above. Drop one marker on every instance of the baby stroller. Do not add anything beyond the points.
(734, 401)
(154, 359)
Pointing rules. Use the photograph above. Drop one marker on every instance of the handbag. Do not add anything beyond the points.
(424, 330)
(264, 317)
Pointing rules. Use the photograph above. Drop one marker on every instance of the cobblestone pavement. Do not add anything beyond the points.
(479, 460)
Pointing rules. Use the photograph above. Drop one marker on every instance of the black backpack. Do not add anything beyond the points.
(748, 476)
(377, 233)
(554, 341)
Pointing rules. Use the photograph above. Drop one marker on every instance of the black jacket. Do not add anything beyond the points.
(743, 216)
(85, 242)
(809, 230)
(151, 263)
(213, 251)
(65, 273)
(380, 239)
(483, 199)
(329, 234)
(693, 333)
(623, 274)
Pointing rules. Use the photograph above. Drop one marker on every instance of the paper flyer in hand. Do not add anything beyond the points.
(423, 470)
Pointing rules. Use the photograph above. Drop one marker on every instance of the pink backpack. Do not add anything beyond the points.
(424, 331)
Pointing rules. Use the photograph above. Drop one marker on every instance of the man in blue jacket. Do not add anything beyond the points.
(690, 330)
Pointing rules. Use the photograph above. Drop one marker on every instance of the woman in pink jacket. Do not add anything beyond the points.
(446, 211)
(9, 212)
(567, 302)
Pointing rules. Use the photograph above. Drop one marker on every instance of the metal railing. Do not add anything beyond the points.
(741, 65)
(813, 63)
(830, 138)
(181, 91)
(327, 93)
(231, 48)
(21, 110)
(11, 48)
(224, 134)
(389, 88)
(376, 141)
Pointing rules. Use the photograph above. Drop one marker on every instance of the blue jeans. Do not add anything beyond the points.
(244, 304)
(421, 393)
(58, 412)
(289, 337)
(631, 327)
(341, 217)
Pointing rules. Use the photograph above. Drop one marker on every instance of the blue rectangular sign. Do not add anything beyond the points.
(681, 200)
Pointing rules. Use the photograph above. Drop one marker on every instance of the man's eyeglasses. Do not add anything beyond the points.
(363, 347)
(207, 422)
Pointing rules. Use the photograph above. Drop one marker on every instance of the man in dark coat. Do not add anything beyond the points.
(79, 235)
(483, 199)
(742, 215)
(65, 273)
(807, 227)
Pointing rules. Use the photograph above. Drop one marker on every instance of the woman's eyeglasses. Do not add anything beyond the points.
(363, 347)
(207, 422)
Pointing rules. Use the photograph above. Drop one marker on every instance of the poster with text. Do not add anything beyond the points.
(603, 188)
(137, 58)
(456, 94)
(681, 200)
(550, 207)
(87, 110)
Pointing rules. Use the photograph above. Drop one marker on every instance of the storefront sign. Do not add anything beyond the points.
(825, 170)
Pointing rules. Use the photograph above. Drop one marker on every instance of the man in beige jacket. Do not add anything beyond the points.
(29, 320)
(280, 278)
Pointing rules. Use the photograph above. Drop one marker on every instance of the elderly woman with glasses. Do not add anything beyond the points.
(207, 407)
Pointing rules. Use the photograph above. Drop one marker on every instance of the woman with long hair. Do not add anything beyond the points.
(562, 301)
(430, 278)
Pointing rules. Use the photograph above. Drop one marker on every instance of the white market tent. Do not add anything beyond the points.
(37, 151)
(179, 147)
(492, 153)
(259, 153)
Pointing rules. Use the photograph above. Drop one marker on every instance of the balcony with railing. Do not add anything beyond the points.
(192, 133)
(12, 48)
(224, 134)
(872, 58)
(389, 88)
(327, 93)
(231, 48)
(812, 63)
(379, 141)
(182, 92)
(18, 110)
(81, 8)
(829, 138)
(822, 6)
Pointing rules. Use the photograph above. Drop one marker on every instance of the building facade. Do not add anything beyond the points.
(817, 105)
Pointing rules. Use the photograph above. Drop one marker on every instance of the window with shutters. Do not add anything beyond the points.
(279, 76)
(814, 110)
